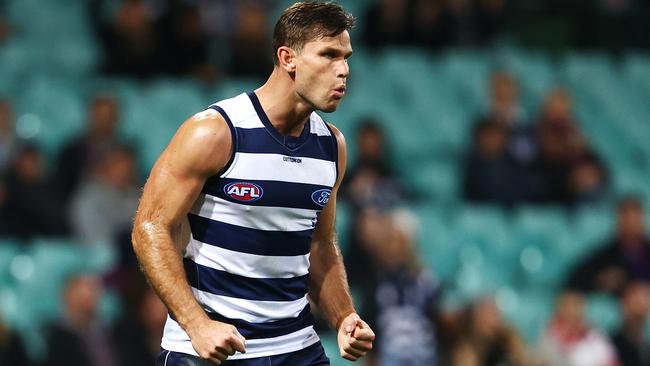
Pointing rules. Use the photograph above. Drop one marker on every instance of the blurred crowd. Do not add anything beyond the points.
(403, 299)
(89, 190)
(544, 159)
(204, 39)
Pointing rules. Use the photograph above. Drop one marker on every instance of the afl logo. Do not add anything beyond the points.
(244, 191)
(321, 197)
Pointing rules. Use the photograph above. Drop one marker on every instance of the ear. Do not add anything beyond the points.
(286, 58)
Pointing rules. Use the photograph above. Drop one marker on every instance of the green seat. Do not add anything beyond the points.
(9, 248)
(435, 248)
(434, 180)
(602, 311)
(533, 311)
(50, 111)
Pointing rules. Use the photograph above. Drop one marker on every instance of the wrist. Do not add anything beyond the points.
(192, 321)
(341, 318)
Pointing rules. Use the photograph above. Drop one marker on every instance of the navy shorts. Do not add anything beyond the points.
(313, 355)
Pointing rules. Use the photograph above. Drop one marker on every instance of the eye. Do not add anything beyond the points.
(329, 55)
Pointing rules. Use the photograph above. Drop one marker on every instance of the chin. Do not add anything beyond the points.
(329, 107)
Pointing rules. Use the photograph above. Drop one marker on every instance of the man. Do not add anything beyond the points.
(250, 179)
(624, 259)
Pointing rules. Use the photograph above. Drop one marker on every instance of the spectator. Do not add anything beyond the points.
(491, 16)
(570, 170)
(570, 341)
(137, 335)
(185, 46)
(12, 350)
(631, 342)
(486, 340)
(387, 23)
(625, 258)
(505, 109)
(31, 207)
(371, 180)
(490, 173)
(402, 303)
(588, 180)
(78, 155)
(130, 40)
(249, 44)
(102, 209)
(462, 24)
(428, 28)
(369, 186)
(8, 140)
(79, 339)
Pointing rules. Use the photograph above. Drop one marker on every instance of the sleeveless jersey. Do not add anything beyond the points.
(248, 256)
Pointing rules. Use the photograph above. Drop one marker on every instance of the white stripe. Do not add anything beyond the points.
(166, 357)
(237, 107)
(291, 342)
(254, 217)
(245, 264)
(272, 167)
(176, 340)
(318, 126)
(251, 311)
(249, 122)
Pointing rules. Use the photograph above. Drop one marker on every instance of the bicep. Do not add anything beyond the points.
(200, 148)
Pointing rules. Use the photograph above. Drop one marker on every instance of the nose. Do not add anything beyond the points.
(343, 70)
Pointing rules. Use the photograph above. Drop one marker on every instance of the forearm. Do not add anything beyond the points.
(162, 264)
(328, 283)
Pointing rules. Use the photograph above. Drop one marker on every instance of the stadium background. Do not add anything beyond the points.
(426, 88)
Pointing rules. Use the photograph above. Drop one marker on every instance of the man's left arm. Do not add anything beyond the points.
(328, 287)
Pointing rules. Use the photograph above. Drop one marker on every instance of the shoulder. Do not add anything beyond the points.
(204, 130)
(338, 135)
(202, 143)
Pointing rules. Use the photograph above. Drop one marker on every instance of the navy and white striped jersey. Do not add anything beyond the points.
(248, 256)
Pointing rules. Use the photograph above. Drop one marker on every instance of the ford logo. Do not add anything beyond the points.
(321, 196)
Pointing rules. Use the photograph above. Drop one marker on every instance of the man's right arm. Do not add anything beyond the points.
(200, 148)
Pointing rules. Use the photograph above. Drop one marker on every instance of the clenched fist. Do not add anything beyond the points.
(215, 341)
(354, 337)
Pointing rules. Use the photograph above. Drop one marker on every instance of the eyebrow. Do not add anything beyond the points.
(337, 51)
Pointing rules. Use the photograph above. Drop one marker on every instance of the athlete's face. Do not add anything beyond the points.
(322, 71)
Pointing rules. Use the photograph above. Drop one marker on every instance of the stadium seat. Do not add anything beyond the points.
(9, 248)
(50, 111)
(602, 312)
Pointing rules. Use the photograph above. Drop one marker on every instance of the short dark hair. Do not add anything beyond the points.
(306, 21)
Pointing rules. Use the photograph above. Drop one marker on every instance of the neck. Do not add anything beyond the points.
(287, 111)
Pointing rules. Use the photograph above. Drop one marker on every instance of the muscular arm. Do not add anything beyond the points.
(200, 148)
(328, 286)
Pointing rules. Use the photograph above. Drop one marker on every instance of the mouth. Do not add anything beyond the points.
(339, 92)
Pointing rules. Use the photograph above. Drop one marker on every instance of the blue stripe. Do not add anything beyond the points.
(267, 329)
(275, 193)
(223, 283)
(233, 136)
(290, 143)
(260, 141)
(252, 241)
